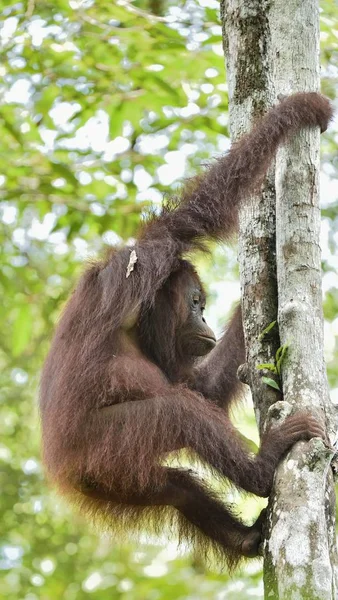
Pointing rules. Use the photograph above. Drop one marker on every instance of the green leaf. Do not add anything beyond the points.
(271, 382)
(269, 366)
(64, 171)
(280, 355)
(267, 329)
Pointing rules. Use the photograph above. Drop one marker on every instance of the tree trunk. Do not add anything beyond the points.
(246, 44)
(301, 550)
(272, 48)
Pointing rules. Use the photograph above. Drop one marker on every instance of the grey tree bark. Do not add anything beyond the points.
(246, 44)
(272, 48)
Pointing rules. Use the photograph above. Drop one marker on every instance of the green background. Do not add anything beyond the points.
(104, 107)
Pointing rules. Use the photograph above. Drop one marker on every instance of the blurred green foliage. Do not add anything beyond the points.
(96, 100)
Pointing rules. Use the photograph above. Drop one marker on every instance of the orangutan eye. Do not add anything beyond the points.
(196, 300)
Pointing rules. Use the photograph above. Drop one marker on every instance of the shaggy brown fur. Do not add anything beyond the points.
(118, 393)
